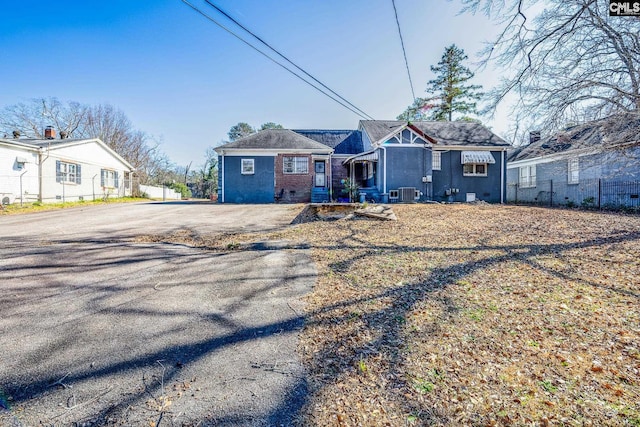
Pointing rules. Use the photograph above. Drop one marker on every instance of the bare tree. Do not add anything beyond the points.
(109, 124)
(103, 121)
(33, 117)
(566, 62)
(206, 178)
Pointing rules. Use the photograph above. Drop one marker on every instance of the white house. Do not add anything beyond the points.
(18, 171)
(57, 170)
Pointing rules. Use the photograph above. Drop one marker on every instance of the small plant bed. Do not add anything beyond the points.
(474, 315)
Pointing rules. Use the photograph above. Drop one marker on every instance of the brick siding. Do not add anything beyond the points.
(297, 187)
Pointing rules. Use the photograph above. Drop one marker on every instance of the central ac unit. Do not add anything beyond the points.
(407, 194)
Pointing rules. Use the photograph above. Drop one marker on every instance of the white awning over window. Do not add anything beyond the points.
(477, 157)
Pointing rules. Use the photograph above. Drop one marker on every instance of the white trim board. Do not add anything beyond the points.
(552, 157)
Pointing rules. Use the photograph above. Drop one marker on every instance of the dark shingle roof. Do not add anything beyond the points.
(278, 139)
(51, 142)
(35, 143)
(598, 134)
(445, 133)
(342, 141)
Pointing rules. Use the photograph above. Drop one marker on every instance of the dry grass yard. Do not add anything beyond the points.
(472, 315)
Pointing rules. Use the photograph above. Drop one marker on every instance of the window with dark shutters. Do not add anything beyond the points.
(108, 178)
(68, 172)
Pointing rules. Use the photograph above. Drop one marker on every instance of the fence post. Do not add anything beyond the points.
(551, 193)
(599, 193)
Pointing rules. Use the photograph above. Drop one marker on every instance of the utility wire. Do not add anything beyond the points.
(404, 52)
(358, 113)
(282, 55)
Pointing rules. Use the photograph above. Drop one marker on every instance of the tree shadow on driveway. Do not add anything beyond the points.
(108, 331)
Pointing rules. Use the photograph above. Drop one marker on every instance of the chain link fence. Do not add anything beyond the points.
(587, 193)
(26, 189)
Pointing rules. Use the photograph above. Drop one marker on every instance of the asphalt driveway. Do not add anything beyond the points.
(100, 328)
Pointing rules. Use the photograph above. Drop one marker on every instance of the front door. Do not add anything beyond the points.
(320, 173)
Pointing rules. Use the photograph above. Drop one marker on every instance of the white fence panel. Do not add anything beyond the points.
(163, 193)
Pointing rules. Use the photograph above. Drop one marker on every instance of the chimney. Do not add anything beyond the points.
(63, 134)
(16, 134)
(49, 133)
(534, 136)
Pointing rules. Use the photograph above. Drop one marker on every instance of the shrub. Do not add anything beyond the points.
(181, 188)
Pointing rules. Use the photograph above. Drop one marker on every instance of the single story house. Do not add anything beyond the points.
(273, 163)
(570, 166)
(56, 170)
(384, 161)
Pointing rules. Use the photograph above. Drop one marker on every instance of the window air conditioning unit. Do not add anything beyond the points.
(407, 194)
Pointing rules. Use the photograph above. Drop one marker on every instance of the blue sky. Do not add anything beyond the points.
(185, 81)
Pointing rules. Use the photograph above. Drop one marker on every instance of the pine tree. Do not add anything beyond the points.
(240, 130)
(449, 90)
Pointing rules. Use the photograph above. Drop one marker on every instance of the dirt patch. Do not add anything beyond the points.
(341, 211)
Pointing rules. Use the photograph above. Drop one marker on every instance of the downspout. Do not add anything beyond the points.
(502, 167)
(424, 171)
(351, 178)
(222, 185)
(352, 175)
(330, 179)
(21, 192)
(384, 165)
(40, 183)
(93, 186)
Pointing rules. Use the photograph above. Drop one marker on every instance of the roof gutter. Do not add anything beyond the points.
(547, 158)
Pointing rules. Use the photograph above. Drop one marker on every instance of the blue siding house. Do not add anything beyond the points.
(387, 161)
(272, 165)
(440, 161)
(570, 166)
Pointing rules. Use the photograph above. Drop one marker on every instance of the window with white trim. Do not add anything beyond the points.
(67, 172)
(573, 168)
(298, 165)
(436, 160)
(108, 178)
(248, 166)
(474, 169)
(527, 176)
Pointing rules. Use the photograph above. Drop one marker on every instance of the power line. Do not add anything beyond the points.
(404, 52)
(282, 55)
(356, 111)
